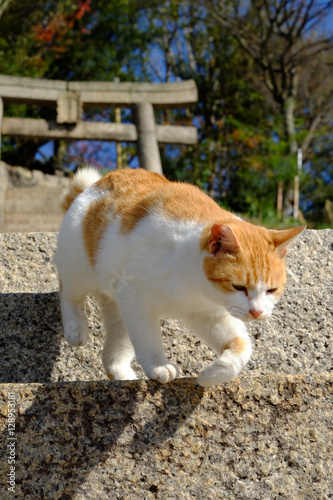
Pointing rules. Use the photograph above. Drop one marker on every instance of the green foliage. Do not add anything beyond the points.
(64, 39)
(243, 150)
(69, 40)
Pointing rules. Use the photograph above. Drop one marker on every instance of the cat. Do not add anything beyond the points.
(149, 248)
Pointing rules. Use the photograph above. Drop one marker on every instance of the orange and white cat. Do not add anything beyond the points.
(148, 248)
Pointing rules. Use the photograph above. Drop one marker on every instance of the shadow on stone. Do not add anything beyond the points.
(30, 335)
(173, 403)
(67, 430)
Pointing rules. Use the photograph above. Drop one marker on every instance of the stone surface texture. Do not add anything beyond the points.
(265, 435)
(29, 199)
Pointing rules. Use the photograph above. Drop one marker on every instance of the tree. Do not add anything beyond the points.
(69, 40)
(253, 112)
(282, 39)
(231, 114)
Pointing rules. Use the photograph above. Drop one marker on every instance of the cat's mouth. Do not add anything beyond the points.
(248, 317)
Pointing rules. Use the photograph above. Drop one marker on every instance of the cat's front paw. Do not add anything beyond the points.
(217, 373)
(163, 373)
(121, 373)
(76, 334)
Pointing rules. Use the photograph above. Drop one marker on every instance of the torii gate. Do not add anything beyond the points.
(71, 97)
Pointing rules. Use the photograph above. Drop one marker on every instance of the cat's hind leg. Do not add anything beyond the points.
(76, 329)
(118, 350)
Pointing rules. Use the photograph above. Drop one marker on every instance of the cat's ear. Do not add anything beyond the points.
(222, 240)
(283, 238)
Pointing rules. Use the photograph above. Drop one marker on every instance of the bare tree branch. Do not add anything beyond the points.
(3, 6)
(272, 33)
(311, 132)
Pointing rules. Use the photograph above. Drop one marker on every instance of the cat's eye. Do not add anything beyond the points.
(240, 288)
(271, 290)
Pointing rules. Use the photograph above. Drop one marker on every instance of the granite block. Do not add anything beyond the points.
(297, 339)
(267, 437)
(264, 435)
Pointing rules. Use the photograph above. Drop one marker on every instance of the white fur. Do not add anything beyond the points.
(153, 272)
(85, 177)
(82, 179)
(239, 304)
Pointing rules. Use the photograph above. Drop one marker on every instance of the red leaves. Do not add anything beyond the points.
(59, 26)
(83, 7)
(44, 34)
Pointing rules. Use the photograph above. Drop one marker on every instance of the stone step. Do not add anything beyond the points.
(41, 192)
(26, 216)
(265, 435)
(32, 200)
(34, 226)
(28, 222)
(32, 209)
(297, 339)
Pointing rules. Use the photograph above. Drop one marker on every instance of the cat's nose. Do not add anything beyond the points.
(255, 313)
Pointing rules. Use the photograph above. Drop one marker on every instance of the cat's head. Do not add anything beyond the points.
(246, 266)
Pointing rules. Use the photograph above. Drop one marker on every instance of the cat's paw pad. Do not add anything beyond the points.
(163, 373)
(216, 373)
(121, 373)
(76, 334)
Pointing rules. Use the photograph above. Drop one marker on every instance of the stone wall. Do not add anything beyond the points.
(29, 200)
(265, 435)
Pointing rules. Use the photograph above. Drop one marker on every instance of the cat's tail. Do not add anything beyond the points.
(83, 178)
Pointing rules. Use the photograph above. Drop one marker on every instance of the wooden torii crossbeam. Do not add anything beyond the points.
(70, 98)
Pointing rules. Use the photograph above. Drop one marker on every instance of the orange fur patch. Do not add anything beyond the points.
(132, 194)
(135, 192)
(236, 345)
(132, 216)
(110, 376)
(124, 194)
(94, 223)
(70, 197)
(256, 262)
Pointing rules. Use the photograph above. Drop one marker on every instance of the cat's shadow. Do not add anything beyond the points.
(30, 336)
(68, 429)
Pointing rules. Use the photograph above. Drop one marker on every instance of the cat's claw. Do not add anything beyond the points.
(163, 373)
